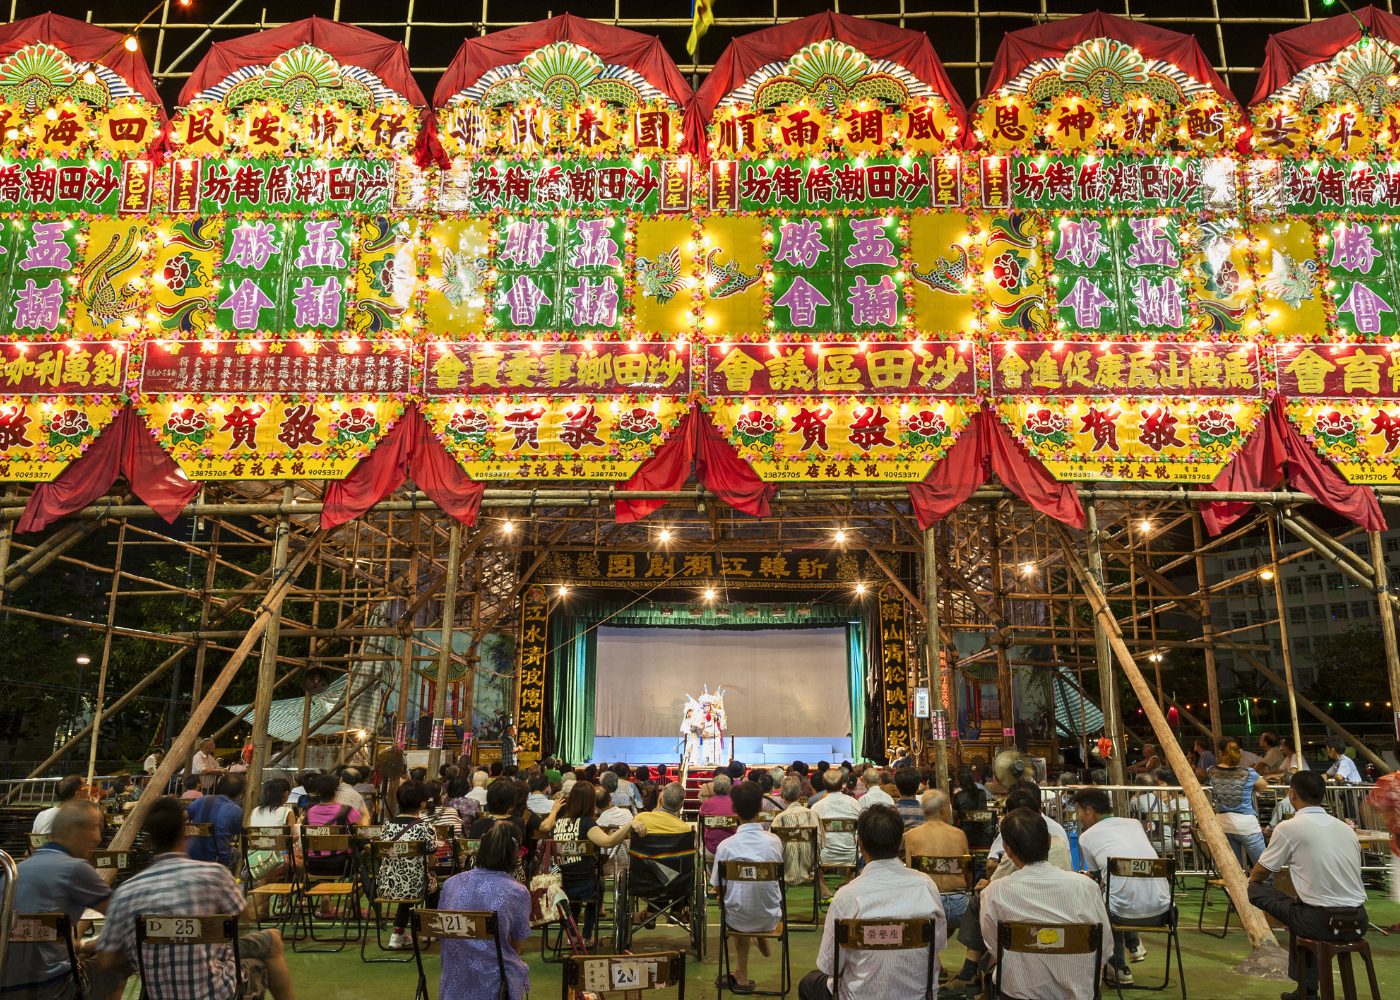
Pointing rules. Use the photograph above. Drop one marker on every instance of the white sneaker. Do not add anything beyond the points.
(1117, 977)
(1138, 954)
(399, 942)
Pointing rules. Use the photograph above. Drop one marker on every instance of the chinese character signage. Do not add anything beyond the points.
(39, 368)
(892, 671)
(276, 367)
(734, 570)
(799, 369)
(1105, 369)
(533, 646)
(555, 369)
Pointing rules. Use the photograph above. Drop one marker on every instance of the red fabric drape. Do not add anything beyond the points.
(618, 46)
(410, 449)
(748, 53)
(1276, 450)
(667, 469)
(84, 43)
(124, 448)
(719, 469)
(1288, 53)
(1053, 39)
(985, 448)
(384, 57)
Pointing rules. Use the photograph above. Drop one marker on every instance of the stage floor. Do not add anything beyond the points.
(750, 750)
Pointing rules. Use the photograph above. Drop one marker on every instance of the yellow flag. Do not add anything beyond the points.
(704, 17)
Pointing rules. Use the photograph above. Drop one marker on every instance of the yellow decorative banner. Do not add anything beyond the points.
(846, 440)
(1134, 438)
(40, 435)
(538, 437)
(267, 436)
(1360, 437)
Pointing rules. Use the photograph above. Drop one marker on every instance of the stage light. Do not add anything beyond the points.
(1145, 526)
(129, 43)
(1027, 568)
(840, 536)
(507, 526)
(563, 590)
(1267, 573)
(709, 594)
(664, 535)
(84, 659)
(860, 590)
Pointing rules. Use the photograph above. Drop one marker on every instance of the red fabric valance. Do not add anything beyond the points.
(986, 448)
(1276, 450)
(618, 46)
(124, 448)
(410, 449)
(749, 53)
(1288, 53)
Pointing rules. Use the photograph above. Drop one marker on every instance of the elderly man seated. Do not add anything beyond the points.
(837, 848)
(173, 884)
(884, 890)
(56, 878)
(666, 817)
(1038, 892)
(798, 857)
(936, 837)
(749, 907)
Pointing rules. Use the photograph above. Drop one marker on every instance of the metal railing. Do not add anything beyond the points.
(7, 903)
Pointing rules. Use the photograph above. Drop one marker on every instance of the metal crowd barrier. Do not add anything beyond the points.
(1167, 816)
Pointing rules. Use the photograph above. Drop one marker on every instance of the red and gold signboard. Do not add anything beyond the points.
(1345, 399)
(1083, 368)
(45, 368)
(555, 369)
(275, 367)
(40, 435)
(798, 369)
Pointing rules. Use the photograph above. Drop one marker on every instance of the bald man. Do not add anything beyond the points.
(937, 837)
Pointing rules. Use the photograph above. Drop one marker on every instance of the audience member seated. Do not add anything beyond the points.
(1323, 857)
(500, 805)
(480, 779)
(1026, 795)
(404, 878)
(1271, 762)
(749, 907)
(573, 819)
(192, 788)
(539, 801)
(1233, 787)
(1202, 757)
(56, 878)
(884, 890)
(348, 794)
(177, 885)
(936, 837)
(1149, 761)
(273, 811)
(836, 848)
(970, 798)
(764, 780)
(69, 789)
(718, 804)
(610, 816)
(621, 798)
(469, 970)
(907, 782)
(467, 808)
(627, 787)
(1143, 901)
(873, 795)
(798, 858)
(802, 773)
(223, 811)
(1038, 892)
(1343, 767)
(324, 809)
(666, 817)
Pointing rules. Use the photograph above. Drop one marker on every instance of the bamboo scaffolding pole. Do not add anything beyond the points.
(1208, 635)
(267, 669)
(1277, 581)
(1388, 638)
(101, 696)
(444, 662)
(1108, 687)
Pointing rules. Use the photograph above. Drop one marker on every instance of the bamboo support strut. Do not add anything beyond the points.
(449, 617)
(1266, 949)
(267, 669)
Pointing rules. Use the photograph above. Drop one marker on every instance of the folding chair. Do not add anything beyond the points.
(330, 849)
(664, 872)
(567, 852)
(846, 871)
(717, 823)
(918, 934)
(753, 872)
(278, 840)
(413, 853)
(600, 975)
(1049, 939)
(123, 864)
(1212, 880)
(47, 928)
(36, 841)
(805, 838)
(464, 851)
(945, 864)
(455, 925)
(1150, 868)
(172, 930)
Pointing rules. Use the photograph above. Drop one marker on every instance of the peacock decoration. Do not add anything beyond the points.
(561, 74)
(1291, 281)
(1108, 70)
(299, 78)
(660, 279)
(727, 280)
(105, 301)
(831, 73)
(948, 274)
(1363, 72)
(37, 74)
(462, 277)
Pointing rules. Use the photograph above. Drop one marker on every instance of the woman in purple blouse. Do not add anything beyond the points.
(469, 970)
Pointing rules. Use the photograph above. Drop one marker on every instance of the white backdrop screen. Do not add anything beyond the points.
(778, 682)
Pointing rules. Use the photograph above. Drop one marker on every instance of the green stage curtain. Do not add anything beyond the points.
(573, 665)
(855, 682)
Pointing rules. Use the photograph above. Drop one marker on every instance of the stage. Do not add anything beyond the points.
(751, 750)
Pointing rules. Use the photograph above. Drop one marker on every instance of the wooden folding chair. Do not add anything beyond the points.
(804, 837)
(918, 934)
(455, 925)
(944, 864)
(338, 884)
(36, 841)
(464, 851)
(30, 929)
(415, 853)
(845, 870)
(173, 930)
(277, 839)
(1121, 868)
(123, 865)
(605, 975)
(567, 852)
(1049, 939)
(754, 872)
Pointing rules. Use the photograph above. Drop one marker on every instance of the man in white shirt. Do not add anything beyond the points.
(1323, 857)
(1026, 794)
(837, 848)
(478, 792)
(749, 907)
(206, 765)
(874, 794)
(1038, 892)
(1143, 901)
(1343, 767)
(884, 890)
(798, 856)
(68, 790)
